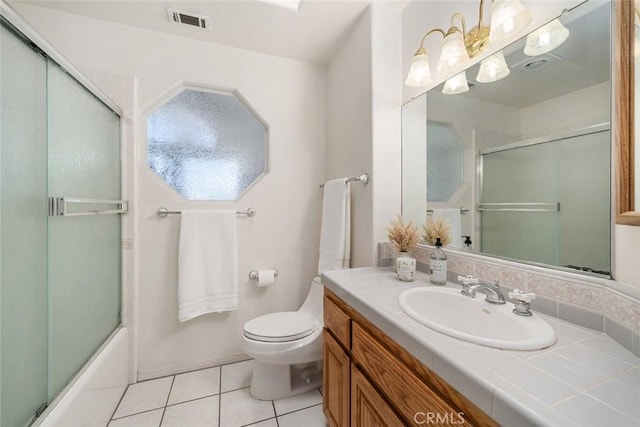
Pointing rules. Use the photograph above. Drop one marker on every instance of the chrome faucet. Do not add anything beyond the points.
(493, 292)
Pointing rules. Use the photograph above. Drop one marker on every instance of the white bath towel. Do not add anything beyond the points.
(335, 232)
(207, 265)
(455, 221)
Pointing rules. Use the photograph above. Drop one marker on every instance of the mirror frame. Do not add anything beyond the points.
(624, 72)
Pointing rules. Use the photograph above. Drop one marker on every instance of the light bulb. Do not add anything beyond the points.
(493, 68)
(508, 17)
(453, 54)
(419, 72)
(457, 84)
(546, 38)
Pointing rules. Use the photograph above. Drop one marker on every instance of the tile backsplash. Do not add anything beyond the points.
(579, 299)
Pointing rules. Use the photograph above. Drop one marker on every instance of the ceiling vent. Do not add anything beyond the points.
(537, 62)
(187, 18)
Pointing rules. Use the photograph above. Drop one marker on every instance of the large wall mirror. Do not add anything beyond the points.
(535, 182)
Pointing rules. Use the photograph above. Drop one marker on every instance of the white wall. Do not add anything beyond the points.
(290, 96)
(386, 142)
(626, 250)
(363, 123)
(349, 129)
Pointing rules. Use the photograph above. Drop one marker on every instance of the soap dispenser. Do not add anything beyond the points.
(467, 244)
(438, 265)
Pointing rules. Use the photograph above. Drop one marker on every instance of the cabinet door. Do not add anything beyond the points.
(335, 376)
(368, 408)
(414, 400)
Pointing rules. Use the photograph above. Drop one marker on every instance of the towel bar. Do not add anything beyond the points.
(462, 210)
(364, 178)
(164, 212)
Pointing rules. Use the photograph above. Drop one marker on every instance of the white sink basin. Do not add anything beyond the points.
(473, 319)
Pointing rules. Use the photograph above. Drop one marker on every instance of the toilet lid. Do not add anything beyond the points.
(279, 327)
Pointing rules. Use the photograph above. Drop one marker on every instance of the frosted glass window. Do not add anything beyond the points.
(207, 145)
(445, 160)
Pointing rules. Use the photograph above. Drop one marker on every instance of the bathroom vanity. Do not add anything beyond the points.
(362, 365)
(383, 368)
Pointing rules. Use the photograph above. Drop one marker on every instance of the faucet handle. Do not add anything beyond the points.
(468, 280)
(521, 296)
(522, 302)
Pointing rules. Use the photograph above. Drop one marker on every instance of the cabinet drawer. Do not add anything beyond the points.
(337, 321)
(413, 399)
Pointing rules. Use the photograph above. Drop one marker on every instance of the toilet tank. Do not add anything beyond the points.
(313, 304)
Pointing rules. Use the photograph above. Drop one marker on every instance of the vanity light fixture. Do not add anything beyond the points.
(456, 84)
(493, 68)
(508, 17)
(546, 38)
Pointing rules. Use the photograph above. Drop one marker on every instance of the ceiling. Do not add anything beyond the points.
(308, 30)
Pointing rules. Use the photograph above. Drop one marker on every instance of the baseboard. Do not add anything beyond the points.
(187, 367)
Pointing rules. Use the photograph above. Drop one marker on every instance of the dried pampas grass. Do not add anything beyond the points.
(437, 227)
(404, 237)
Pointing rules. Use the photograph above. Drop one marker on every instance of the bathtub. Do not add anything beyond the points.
(93, 395)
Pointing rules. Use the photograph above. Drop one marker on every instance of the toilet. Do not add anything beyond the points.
(287, 348)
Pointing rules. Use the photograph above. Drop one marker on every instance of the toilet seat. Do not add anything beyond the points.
(280, 327)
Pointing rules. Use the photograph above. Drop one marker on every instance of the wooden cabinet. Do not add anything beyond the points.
(370, 380)
(336, 382)
(368, 408)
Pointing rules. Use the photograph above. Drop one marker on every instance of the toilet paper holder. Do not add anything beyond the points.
(253, 274)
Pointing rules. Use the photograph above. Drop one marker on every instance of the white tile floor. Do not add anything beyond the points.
(214, 397)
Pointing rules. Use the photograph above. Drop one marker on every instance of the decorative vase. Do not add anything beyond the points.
(401, 255)
(406, 268)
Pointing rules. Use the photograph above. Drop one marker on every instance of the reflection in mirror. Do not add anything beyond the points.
(536, 150)
(445, 158)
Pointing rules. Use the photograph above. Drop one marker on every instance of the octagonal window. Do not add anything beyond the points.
(207, 145)
(445, 162)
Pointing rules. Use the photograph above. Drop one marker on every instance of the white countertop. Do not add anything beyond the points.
(585, 379)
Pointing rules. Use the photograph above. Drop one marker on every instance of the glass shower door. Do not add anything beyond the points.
(59, 275)
(23, 230)
(84, 251)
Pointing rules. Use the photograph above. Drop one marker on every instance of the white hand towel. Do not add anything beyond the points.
(335, 232)
(207, 265)
(455, 221)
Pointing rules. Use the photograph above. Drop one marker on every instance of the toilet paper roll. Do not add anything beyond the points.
(266, 277)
